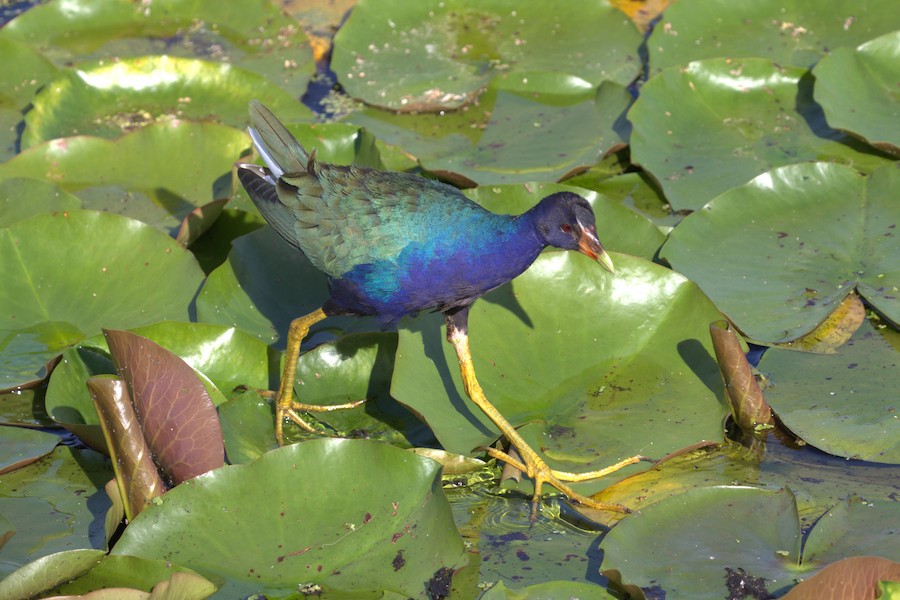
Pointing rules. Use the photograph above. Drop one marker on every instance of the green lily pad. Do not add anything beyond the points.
(548, 589)
(104, 172)
(619, 228)
(429, 56)
(780, 253)
(94, 282)
(248, 427)
(47, 572)
(107, 99)
(131, 572)
(82, 571)
(55, 504)
(710, 529)
(513, 135)
(382, 522)
(9, 136)
(839, 402)
(25, 353)
(789, 32)
(587, 359)
(24, 198)
(718, 123)
(68, 400)
(24, 72)
(818, 481)
(254, 35)
(212, 247)
(24, 407)
(857, 89)
(22, 446)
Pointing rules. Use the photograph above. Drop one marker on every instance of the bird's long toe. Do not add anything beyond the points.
(540, 472)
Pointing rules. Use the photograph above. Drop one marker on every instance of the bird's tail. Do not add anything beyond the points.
(278, 148)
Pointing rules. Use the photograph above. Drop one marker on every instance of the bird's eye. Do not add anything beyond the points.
(565, 228)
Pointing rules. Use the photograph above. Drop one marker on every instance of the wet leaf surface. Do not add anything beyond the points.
(22, 447)
(381, 61)
(715, 124)
(252, 35)
(550, 108)
(870, 74)
(550, 589)
(789, 32)
(844, 403)
(375, 504)
(779, 254)
(24, 198)
(88, 286)
(711, 530)
(514, 134)
(54, 504)
(135, 173)
(108, 99)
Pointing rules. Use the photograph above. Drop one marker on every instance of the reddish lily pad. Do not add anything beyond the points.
(223, 357)
(137, 477)
(854, 578)
(176, 415)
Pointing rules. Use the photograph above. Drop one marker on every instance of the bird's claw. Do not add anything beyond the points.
(293, 413)
(540, 472)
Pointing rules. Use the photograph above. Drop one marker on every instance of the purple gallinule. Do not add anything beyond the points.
(393, 244)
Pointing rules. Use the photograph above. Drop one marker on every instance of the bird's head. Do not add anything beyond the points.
(565, 220)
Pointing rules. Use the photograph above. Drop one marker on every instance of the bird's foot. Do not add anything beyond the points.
(540, 472)
(291, 410)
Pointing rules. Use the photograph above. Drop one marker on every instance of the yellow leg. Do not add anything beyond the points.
(531, 464)
(284, 402)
